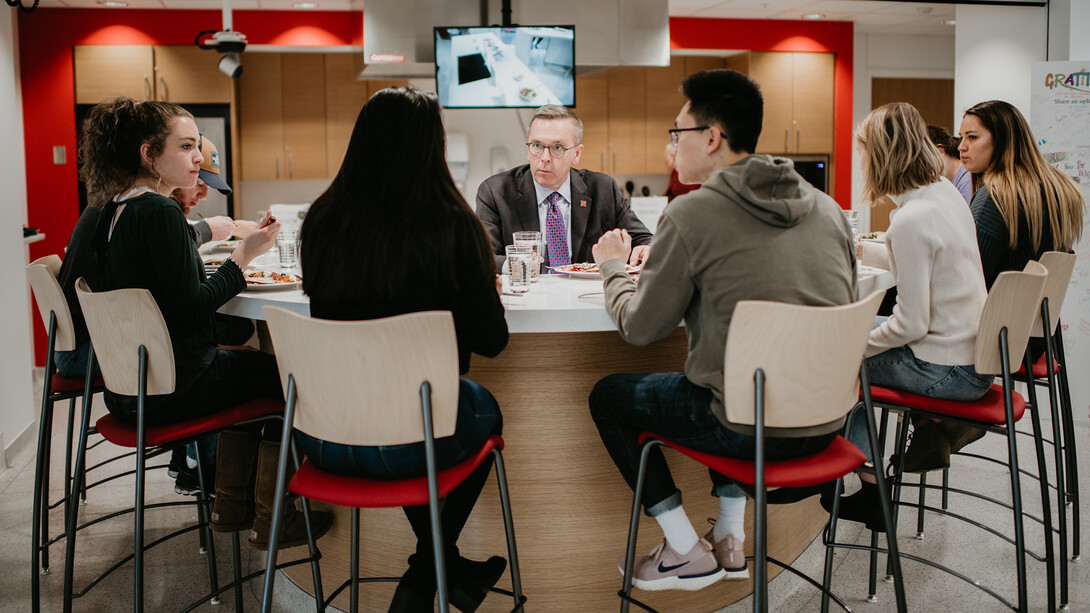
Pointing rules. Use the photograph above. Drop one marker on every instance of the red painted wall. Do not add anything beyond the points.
(45, 63)
(766, 35)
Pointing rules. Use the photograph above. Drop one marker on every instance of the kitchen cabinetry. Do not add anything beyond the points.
(345, 95)
(798, 99)
(282, 116)
(627, 121)
(592, 106)
(172, 73)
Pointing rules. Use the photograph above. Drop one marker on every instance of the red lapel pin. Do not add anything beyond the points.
(583, 203)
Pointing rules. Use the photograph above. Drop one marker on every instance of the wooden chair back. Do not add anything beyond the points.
(1014, 303)
(358, 382)
(810, 357)
(1060, 265)
(119, 322)
(42, 274)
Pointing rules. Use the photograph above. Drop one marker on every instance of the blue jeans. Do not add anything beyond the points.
(478, 418)
(73, 363)
(669, 405)
(900, 369)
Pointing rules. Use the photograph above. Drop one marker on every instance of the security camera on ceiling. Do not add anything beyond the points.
(230, 44)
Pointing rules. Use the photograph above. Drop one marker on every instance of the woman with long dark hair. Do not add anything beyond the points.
(393, 235)
(133, 154)
(1022, 205)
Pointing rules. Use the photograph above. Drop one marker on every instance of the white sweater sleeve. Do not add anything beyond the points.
(912, 247)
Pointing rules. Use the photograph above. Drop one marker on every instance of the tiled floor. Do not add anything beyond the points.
(176, 569)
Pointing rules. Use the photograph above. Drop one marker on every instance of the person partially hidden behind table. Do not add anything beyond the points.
(393, 235)
(132, 154)
(571, 208)
(927, 345)
(755, 230)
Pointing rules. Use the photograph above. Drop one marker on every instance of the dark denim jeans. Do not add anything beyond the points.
(478, 418)
(669, 405)
(234, 377)
(73, 363)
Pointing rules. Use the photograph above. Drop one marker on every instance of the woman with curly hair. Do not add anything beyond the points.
(133, 155)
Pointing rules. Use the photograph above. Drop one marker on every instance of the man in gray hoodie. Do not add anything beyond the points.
(755, 230)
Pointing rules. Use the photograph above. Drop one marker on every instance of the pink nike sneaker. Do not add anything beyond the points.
(666, 569)
(731, 556)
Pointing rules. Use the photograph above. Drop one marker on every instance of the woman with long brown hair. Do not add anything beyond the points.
(1022, 206)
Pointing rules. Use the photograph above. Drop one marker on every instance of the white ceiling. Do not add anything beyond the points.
(872, 16)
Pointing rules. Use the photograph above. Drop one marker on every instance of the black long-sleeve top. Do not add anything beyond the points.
(993, 237)
(471, 297)
(152, 247)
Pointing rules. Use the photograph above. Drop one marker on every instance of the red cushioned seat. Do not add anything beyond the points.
(124, 434)
(311, 482)
(1040, 369)
(61, 384)
(836, 460)
(989, 409)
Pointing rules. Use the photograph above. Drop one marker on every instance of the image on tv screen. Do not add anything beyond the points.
(490, 67)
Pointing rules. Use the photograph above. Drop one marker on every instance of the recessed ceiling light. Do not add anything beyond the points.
(948, 22)
(813, 16)
(112, 3)
(305, 5)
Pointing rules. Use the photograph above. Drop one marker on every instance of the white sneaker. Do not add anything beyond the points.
(731, 555)
(666, 569)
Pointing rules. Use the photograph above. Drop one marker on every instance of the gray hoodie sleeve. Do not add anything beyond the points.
(655, 308)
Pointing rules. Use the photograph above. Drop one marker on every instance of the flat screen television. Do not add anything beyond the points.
(496, 67)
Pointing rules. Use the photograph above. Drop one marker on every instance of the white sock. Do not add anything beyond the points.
(678, 531)
(732, 519)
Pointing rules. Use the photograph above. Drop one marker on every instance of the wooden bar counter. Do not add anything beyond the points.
(570, 504)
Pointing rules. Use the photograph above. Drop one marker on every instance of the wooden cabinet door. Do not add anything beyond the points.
(592, 106)
(813, 113)
(303, 94)
(774, 71)
(627, 121)
(261, 117)
(109, 71)
(189, 74)
(664, 101)
(697, 63)
(345, 95)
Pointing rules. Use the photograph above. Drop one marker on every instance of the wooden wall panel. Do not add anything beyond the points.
(934, 98)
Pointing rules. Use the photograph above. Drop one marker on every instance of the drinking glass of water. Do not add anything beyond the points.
(533, 239)
(285, 241)
(520, 260)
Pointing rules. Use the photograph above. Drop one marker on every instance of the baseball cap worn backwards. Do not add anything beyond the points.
(210, 167)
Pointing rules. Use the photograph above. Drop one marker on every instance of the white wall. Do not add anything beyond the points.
(995, 48)
(17, 408)
(892, 56)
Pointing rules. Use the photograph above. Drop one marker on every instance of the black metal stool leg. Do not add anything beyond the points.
(509, 528)
(39, 556)
(634, 528)
(1042, 479)
(919, 509)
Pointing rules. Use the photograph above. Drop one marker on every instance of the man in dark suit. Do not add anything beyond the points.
(571, 208)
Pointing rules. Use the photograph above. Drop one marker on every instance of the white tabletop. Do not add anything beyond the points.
(554, 304)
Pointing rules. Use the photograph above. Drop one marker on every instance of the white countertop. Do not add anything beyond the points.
(554, 304)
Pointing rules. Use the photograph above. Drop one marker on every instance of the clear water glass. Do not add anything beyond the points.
(520, 260)
(289, 248)
(532, 238)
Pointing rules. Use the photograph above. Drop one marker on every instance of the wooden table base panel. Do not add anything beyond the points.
(570, 504)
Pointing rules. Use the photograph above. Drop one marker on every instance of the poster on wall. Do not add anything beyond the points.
(1060, 118)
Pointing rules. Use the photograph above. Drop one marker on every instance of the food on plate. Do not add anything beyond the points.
(590, 268)
(519, 76)
(874, 236)
(215, 262)
(527, 93)
(231, 244)
(267, 277)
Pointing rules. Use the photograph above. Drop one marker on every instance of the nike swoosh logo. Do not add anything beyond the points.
(665, 569)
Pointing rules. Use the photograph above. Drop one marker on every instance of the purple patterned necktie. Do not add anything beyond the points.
(556, 237)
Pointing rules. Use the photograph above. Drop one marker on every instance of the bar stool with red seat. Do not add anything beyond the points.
(791, 370)
(1009, 314)
(377, 382)
(42, 274)
(130, 338)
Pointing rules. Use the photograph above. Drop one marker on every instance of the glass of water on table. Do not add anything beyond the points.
(520, 260)
(532, 238)
(288, 247)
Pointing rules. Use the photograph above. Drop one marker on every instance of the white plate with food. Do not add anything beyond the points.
(527, 93)
(270, 281)
(874, 237)
(226, 245)
(588, 270)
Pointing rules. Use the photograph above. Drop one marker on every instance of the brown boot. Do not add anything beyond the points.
(233, 510)
(293, 526)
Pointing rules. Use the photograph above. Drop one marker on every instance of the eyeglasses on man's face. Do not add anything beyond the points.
(675, 131)
(555, 151)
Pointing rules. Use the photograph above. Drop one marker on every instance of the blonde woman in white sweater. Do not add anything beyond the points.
(926, 345)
